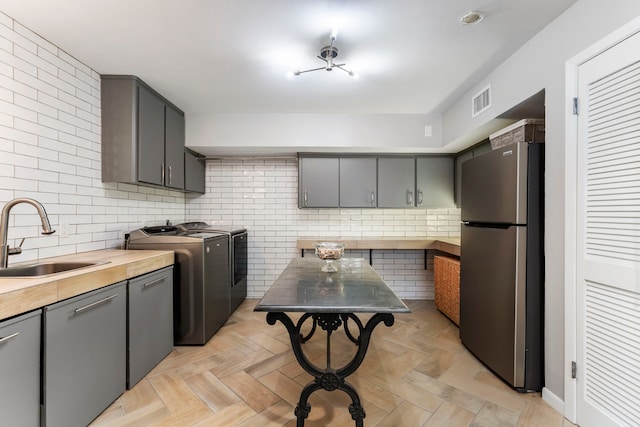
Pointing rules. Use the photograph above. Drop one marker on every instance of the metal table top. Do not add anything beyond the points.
(355, 288)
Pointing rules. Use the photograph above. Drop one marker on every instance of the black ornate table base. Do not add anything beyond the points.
(329, 378)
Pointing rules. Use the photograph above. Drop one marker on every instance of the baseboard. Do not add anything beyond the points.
(554, 401)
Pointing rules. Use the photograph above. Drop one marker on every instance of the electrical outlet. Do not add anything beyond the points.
(64, 229)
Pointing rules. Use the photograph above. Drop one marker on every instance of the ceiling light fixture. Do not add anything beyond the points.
(328, 54)
(471, 18)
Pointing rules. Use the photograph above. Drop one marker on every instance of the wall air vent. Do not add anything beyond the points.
(481, 101)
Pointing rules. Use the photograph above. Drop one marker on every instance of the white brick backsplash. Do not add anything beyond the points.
(13, 85)
(51, 56)
(36, 128)
(59, 103)
(50, 150)
(261, 195)
(55, 82)
(31, 57)
(7, 57)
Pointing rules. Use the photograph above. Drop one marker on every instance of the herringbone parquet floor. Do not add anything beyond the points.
(416, 373)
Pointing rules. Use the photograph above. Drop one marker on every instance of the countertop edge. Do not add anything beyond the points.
(20, 295)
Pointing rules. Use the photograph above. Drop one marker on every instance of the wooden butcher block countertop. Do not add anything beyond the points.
(450, 245)
(22, 294)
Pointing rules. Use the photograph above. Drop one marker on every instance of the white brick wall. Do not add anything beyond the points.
(50, 151)
(261, 195)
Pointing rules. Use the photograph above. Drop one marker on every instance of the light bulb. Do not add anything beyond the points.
(334, 34)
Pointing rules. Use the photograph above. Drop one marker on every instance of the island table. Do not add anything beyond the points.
(330, 301)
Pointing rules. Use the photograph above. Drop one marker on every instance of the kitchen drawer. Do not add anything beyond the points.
(20, 370)
(84, 356)
(150, 325)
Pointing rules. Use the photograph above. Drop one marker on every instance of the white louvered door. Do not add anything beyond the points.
(608, 291)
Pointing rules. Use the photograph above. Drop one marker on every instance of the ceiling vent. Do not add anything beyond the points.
(481, 101)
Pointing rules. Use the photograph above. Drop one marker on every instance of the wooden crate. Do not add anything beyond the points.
(447, 286)
(529, 130)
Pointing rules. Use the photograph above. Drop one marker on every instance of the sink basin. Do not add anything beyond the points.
(44, 269)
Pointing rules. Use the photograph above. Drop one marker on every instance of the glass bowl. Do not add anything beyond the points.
(329, 252)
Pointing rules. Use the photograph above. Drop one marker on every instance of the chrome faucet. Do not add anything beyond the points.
(5, 251)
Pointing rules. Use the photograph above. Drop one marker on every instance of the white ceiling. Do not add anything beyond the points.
(232, 56)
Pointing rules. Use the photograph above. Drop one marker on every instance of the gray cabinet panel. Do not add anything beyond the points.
(174, 149)
(150, 137)
(119, 110)
(84, 356)
(20, 370)
(396, 182)
(194, 173)
(143, 134)
(150, 322)
(318, 180)
(434, 182)
(358, 182)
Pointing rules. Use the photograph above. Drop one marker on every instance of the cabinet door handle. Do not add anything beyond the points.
(305, 199)
(409, 197)
(155, 282)
(420, 197)
(170, 176)
(8, 337)
(373, 198)
(93, 304)
(162, 173)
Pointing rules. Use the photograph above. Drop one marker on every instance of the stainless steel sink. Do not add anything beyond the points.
(44, 269)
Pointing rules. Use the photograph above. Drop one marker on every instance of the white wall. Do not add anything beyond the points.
(50, 151)
(262, 196)
(540, 64)
(289, 133)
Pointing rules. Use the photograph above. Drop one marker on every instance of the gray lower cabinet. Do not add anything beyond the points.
(434, 182)
(358, 182)
(396, 182)
(318, 182)
(85, 340)
(150, 328)
(20, 370)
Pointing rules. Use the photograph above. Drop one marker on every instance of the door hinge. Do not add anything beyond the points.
(575, 106)
(574, 368)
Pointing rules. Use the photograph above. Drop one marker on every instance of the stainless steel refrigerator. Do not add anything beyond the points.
(502, 262)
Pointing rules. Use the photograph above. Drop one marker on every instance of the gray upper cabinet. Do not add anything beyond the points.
(318, 181)
(174, 148)
(142, 135)
(194, 172)
(358, 182)
(20, 370)
(396, 182)
(150, 137)
(434, 182)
